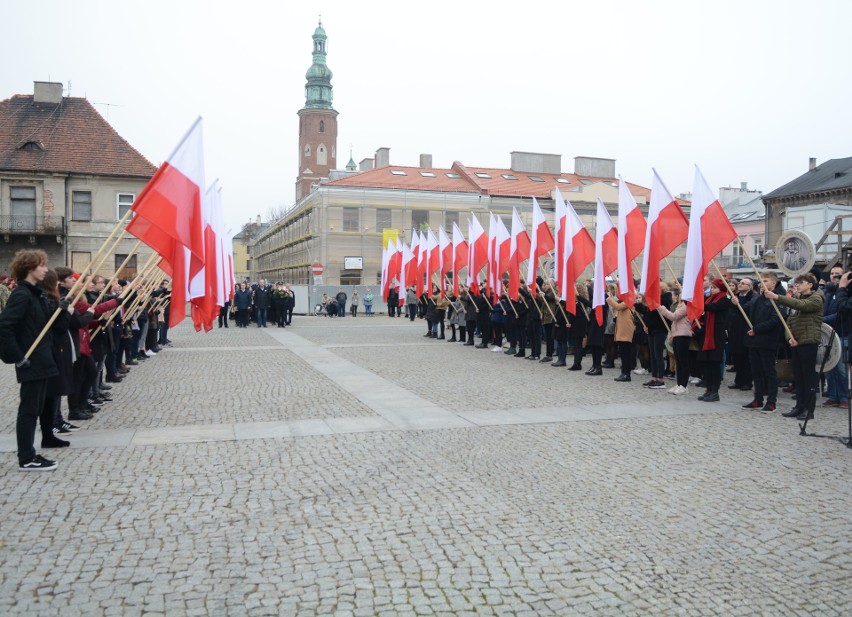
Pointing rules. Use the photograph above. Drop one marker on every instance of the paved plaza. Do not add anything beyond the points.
(353, 467)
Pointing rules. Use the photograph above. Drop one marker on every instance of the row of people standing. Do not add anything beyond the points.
(261, 303)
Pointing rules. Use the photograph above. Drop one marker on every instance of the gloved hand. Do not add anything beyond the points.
(64, 303)
(22, 363)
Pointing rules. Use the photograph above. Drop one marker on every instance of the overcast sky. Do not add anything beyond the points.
(749, 90)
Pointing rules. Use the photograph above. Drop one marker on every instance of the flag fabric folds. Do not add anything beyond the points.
(710, 231)
(519, 252)
(579, 252)
(606, 248)
(631, 241)
(667, 229)
(541, 243)
(460, 256)
(560, 214)
(477, 257)
(167, 217)
(445, 256)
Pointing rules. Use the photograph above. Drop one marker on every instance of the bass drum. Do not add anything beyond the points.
(829, 349)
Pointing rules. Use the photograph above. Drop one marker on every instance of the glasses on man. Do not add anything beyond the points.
(836, 276)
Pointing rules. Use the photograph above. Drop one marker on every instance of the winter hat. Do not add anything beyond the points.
(719, 284)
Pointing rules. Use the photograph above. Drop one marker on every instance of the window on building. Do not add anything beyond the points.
(129, 269)
(419, 219)
(481, 174)
(124, 201)
(757, 247)
(308, 150)
(449, 219)
(398, 172)
(383, 219)
(509, 176)
(347, 278)
(322, 155)
(23, 208)
(350, 219)
(563, 181)
(536, 178)
(80, 259)
(322, 126)
(81, 205)
(738, 250)
(427, 174)
(452, 176)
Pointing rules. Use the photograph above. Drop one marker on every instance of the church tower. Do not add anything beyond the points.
(317, 122)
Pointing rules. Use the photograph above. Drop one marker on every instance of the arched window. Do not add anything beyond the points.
(308, 150)
(322, 126)
(322, 156)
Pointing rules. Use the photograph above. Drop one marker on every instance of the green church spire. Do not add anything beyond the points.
(318, 93)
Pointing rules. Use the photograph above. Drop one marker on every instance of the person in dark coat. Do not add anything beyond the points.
(656, 329)
(262, 301)
(737, 335)
(21, 323)
(761, 342)
(578, 330)
(595, 339)
(711, 339)
(289, 305)
(63, 383)
(242, 301)
(393, 302)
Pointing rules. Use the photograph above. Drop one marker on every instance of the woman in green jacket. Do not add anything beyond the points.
(805, 325)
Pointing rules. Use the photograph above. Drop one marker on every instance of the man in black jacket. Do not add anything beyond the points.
(762, 343)
(21, 322)
(262, 300)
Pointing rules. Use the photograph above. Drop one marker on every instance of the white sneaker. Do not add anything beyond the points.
(496, 349)
(149, 353)
(682, 390)
(640, 371)
(673, 389)
(694, 379)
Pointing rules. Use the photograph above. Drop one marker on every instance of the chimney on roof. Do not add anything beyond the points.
(536, 162)
(744, 186)
(594, 167)
(365, 164)
(47, 92)
(382, 157)
(811, 164)
(426, 161)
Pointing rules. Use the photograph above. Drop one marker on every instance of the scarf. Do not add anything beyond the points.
(710, 322)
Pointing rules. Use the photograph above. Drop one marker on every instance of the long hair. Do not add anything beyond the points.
(50, 283)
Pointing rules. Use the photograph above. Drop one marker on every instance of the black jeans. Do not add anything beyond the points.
(548, 339)
(656, 347)
(804, 374)
(763, 373)
(680, 345)
(712, 375)
(627, 353)
(30, 409)
(534, 337)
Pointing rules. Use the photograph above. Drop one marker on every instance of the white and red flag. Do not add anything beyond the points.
(392, 260)
(541, 243)
(504, 253)
(710, 231)
(168, 218)
(384, 283)
(631, 241)
(606, 257)
(408, 267)
(492, 255)
(668, 228)
(460, 256)
(579, 253)
(445, 256)
(559, 224)
(422, 262)
(519, 252)
(433, 264)
(477, 252)
(399, 271)
(207, 287)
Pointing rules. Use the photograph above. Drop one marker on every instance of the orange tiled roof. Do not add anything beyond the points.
(485, 180)
(70, 137)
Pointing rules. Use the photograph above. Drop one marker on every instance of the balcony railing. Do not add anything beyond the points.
(29, 225)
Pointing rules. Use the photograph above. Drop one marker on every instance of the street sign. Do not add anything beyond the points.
(316, 269)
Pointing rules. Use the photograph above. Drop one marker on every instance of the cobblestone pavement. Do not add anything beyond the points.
(686, 509)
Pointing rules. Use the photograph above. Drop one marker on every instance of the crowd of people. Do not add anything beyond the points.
(261, 303)
(740, 332)
(89, 347)
(336, 306)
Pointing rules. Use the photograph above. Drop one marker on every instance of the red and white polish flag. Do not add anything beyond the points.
(541, 243)
(631, 241)
(579, 253)
(606, 257)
